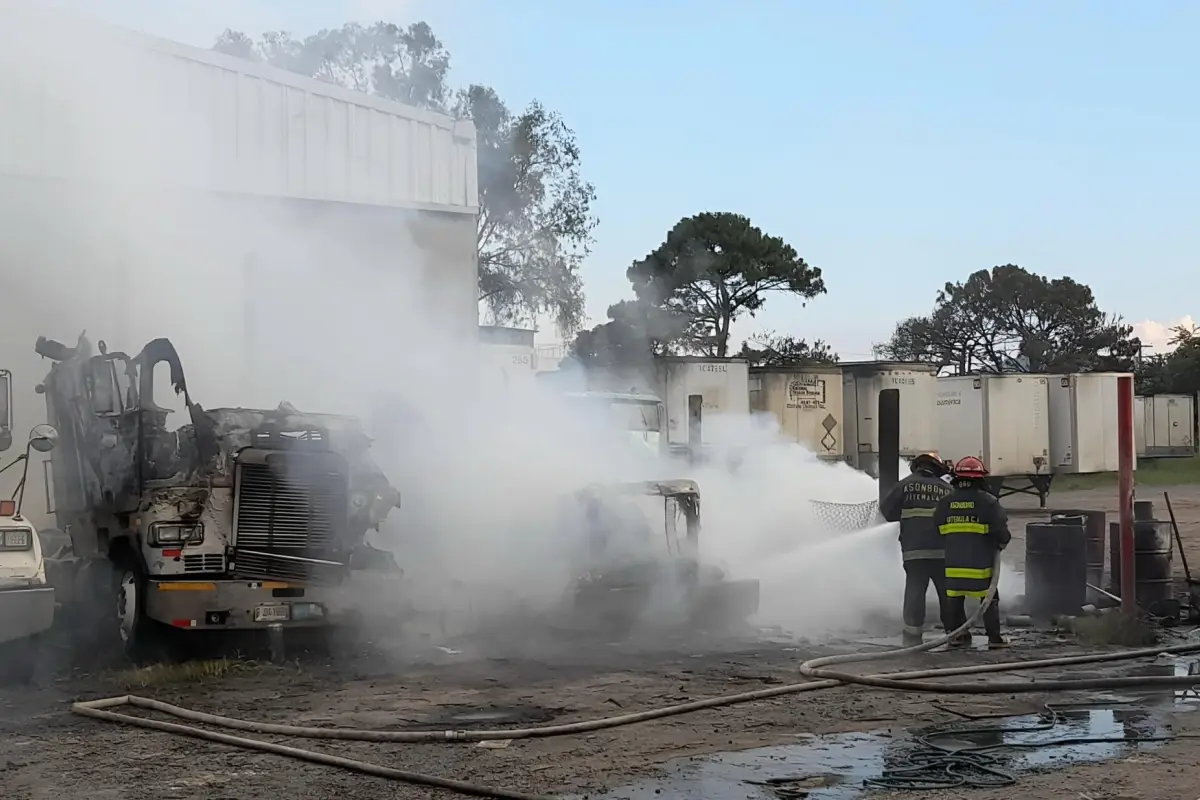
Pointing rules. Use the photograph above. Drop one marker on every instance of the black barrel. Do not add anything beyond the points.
(1143, 510)
(1094, 527)
(1152, 556)
(1055, 568)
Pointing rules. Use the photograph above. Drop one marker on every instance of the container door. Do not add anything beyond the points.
(1063, 423)
(1160, 442)
(1179, 415)
(1018, 433)
(1139, 426)
(850, 419)
(868, 409)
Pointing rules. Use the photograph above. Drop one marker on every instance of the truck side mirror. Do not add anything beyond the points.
(43, 438)
(6, 421)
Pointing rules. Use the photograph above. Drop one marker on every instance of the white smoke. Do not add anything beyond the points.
(357, 311)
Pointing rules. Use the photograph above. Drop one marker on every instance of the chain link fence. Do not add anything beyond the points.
(846, 517)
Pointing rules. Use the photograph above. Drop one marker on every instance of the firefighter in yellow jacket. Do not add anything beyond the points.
(973, 528)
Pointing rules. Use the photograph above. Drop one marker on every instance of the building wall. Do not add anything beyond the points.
(146, 110)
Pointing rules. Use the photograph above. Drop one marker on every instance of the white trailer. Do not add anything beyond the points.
(697, 389)
(806, 402)
(1168, 426)
(507, 360)
(1002, 419)
(694, 390)
(862, 381)
(1083, 422)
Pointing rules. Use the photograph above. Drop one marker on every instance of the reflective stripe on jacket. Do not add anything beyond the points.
(912, 503)
(973, 526)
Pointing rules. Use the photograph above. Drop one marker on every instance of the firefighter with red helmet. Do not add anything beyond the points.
(911, 502)
(973, 528)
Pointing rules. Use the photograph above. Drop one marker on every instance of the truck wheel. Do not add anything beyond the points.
(140, 638)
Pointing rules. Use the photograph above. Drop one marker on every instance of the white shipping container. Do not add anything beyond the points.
(1083, 422)
(806, 402)
(1001, 419)
(1169, 420)
(861, 384)
(697, 389)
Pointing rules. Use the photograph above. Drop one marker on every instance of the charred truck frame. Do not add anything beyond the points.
(240, 519)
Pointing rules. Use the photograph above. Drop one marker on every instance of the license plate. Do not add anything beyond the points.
(272, 614)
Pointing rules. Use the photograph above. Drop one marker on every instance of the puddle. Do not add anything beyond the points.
(1179, 699)
(834, 767)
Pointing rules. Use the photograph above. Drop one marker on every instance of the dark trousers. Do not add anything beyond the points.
(917, 575)
(991, 615)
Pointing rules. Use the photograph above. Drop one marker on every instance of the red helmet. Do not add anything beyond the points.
(970, 467)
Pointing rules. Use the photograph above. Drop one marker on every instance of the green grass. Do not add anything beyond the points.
(1150, 472)
(192, 672)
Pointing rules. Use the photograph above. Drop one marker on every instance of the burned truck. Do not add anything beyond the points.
(238, 519)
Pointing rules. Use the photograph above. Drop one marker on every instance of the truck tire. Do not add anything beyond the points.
(142, 639)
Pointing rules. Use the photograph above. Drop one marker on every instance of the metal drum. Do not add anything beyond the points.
(1055, 568)
(1152, 553)
(1094, 529)
(1152, 556)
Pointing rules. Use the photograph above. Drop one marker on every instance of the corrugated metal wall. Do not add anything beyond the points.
(93, 102)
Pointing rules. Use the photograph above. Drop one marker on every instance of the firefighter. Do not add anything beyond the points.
(911, 503)
(973, 529)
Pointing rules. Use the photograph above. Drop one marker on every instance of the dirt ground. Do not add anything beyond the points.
(45, 752)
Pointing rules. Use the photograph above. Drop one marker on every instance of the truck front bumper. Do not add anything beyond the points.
(242, 605)
(25, 612)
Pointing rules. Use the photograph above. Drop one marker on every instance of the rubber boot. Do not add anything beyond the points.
(908, 639)
(960, 642)
(999, 643)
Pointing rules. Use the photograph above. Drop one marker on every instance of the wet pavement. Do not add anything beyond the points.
(987, 752)
(837, 767)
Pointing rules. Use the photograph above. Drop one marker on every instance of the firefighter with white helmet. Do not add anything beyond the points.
(973, 527)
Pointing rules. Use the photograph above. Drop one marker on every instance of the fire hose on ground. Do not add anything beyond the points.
(815, 669)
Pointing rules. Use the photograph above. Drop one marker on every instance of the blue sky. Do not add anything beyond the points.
(896, 145)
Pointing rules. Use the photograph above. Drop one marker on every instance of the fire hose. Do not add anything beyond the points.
(815, 669)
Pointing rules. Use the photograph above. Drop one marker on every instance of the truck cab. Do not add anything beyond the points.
(239, 519)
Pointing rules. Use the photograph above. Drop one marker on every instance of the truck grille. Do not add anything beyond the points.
(206, 562)
(290, 516)
(252, 564)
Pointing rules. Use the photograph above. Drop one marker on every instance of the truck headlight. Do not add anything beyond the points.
(177, 534)
(16, 539)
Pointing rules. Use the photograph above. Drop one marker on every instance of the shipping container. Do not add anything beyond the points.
(1001, 419)
(1169, 425)
(807, 404)
(862, 381)
(1083, 422)
(696, 389)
